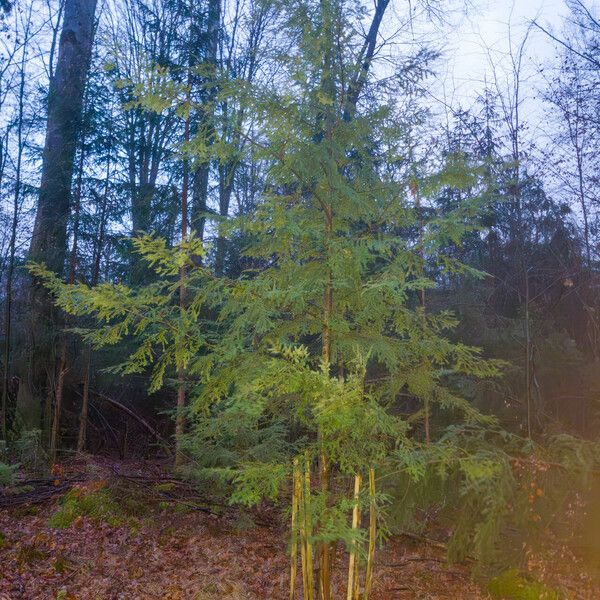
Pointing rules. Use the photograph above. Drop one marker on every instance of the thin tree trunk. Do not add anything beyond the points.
(181, 396)
(206, 44)
(372, 535)
(324, 469)
(62, 367)
(527, 356)
(85, 404)
(58, 397)
(324, 129)
(12, 248)
(225, 190)
(55, 30)
(421, 273)
(85, 400)
(296, 499)
(308, 530)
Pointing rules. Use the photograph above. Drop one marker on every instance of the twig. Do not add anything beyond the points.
(134, 416)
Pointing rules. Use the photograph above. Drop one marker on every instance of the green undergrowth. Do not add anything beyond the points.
(115, 502)
(511, 585)
(500, 495)
(102, 502)
(96, 503)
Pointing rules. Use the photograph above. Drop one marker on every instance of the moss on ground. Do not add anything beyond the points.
(510, 585)
(6, 474)
(92, 501)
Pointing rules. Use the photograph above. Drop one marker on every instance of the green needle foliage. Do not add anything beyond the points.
(325, 334)
(165, 336)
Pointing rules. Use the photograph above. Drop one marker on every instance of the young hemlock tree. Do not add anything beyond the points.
(325, 336)
(320, 342)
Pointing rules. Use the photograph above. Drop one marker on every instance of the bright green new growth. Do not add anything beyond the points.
(165, 335)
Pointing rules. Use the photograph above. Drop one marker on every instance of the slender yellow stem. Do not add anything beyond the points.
(356, 593)
(299, 487)
(324, 547)
(296, 491)
(355, 518)
(372, 535)
(310, 579)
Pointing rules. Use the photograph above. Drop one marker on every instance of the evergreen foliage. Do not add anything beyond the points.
(500, 493)
(166, 337)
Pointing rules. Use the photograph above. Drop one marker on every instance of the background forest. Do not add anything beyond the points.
(260, 243)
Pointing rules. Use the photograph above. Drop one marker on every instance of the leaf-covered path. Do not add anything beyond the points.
(171, 551)
(154, 549)
(191, 556)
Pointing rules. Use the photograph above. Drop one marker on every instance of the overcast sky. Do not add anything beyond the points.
(489, 29)
(482, 35)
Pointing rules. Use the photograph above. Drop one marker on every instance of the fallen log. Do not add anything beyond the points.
(42, 490)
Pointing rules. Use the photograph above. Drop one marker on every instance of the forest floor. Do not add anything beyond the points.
(84, 544)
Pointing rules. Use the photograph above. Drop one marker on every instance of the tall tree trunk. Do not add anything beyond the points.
(65, 105)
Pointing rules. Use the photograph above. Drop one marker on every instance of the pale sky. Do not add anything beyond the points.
(484, 34)
(489, 29)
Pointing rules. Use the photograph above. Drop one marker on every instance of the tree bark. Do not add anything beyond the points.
(181, 376)
(96, 258)
(12, 248)
(65, 104)
(226, 173)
